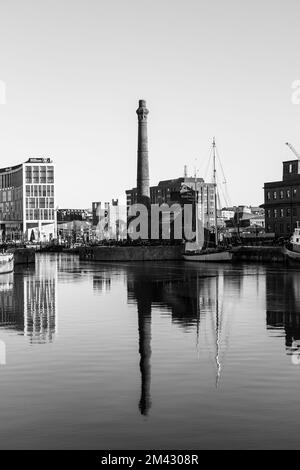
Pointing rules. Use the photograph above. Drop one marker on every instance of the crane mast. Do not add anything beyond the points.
(293, 150)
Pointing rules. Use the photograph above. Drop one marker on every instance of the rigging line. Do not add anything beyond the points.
(203, 162)
(208, 164)
(221, 166)
(225, 180)
(223, 194)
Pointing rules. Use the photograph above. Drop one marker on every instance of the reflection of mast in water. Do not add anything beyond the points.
(218, 363)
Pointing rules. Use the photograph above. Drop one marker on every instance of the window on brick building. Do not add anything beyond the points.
(275, 195)
(281, 194)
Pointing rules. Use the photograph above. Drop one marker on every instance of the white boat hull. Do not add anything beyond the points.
(6, 263)
(220, 256)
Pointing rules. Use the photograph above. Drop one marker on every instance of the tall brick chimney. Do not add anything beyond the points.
(143, 191)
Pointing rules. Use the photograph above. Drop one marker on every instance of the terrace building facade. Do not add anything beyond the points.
(282, 201)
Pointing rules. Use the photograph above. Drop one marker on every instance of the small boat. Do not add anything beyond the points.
(6, 263)
(292, 249)
(218, 253)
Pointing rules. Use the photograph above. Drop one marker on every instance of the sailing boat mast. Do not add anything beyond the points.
(196, 209)
(215, 192)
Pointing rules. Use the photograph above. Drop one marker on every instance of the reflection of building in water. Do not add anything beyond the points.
(177, 293)
(193, 299)
(40, 310)
(67, 262)
(101, 283)
(11, 302)
(283, 307)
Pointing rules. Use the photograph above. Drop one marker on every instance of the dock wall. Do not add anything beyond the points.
(265, 254)
(23, 255)
(131, 253)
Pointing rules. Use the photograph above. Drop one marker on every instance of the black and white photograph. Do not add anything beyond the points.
(149, 229)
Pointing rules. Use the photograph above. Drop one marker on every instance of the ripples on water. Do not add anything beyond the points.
(149, 355)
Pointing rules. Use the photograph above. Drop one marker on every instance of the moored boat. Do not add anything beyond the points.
(292, 250)
(217, 253)
(6, 263)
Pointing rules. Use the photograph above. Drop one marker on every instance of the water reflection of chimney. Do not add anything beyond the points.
(144, 325)
(144, 322)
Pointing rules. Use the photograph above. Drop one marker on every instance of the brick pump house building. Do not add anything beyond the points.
(282, 201)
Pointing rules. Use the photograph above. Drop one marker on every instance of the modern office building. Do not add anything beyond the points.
(27, 208)
(282, 201)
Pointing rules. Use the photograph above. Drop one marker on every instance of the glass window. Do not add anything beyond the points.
(275, 195)
(50, 174)
(288, 212)
(288, 193)
(35, 174)
(42, 174)
(281, 194)
(28, 174)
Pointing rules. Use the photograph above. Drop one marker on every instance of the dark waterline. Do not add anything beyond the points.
(149, 355)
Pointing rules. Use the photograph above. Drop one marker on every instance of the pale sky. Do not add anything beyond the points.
(75, 69)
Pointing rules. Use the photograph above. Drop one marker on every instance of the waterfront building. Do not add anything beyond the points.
(181, 190)
(282, 201)
(69, 215)
(27, 201)
(73, 226)
(227, 213)
(109, 220)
